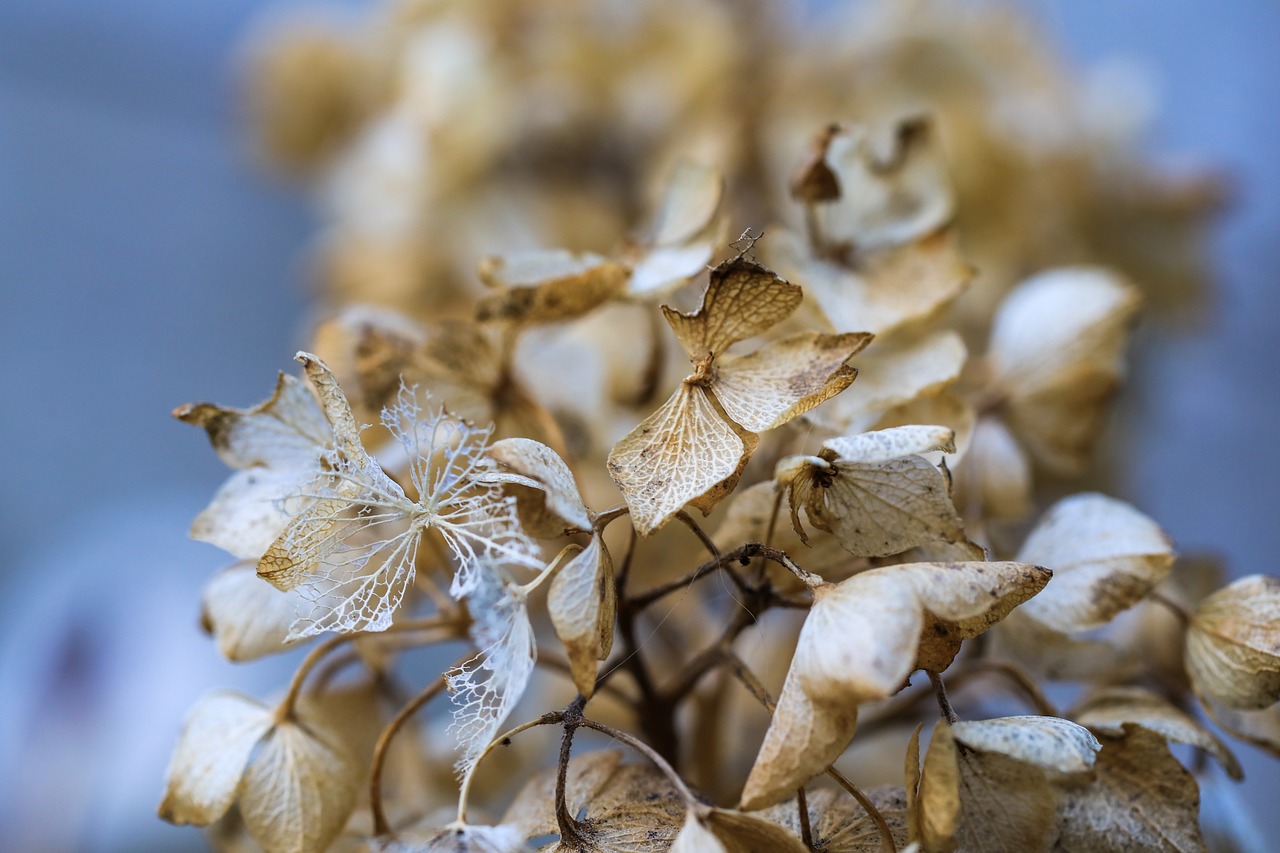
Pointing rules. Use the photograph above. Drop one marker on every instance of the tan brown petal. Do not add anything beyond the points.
(247, 616)
(1233, 644)
(743, 299)
(582, 605)
(548, 286)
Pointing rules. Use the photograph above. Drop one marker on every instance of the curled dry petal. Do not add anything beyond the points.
(542, 469)
(1233, 644)
(683, 235)
(218, 736)
(995, 477)
(1108, 710)
(548, 286)
(247, 616)
(839, 824)
(1105, 556)
(582, 605)
(1047, 742)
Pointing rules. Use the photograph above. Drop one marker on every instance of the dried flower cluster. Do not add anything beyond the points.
(880, 398)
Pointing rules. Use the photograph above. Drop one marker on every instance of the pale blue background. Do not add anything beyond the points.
(144, 263)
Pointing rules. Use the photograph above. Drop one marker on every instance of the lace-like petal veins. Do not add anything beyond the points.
(1105, 555)
(1140, 798)
(342, 422)
(252, 508)
(1233, 644)
(727, 831)
(548, 472)
(299, 791)
(1056, 349)
(218, 736)
(1107, 710)
(1047, 742)
(804, 737)
(486, 688)
(676, 455)
(894, 373)
(248, 617)
(582, 605)
(784, 379)
(743, 299)
(548, 286)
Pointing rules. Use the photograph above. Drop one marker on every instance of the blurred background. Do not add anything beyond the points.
(146, 262)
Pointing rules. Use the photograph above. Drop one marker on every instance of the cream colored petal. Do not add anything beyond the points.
(370, 349)
(541, 464)
(1047, 742)
(742, 300)
(1233, 644)
(994, 480)
(839, 824)
(1054, 655)
(454, 838)
(804, 737)
(784, 379)
(676, 455)
(692, 199)
(1260, 728)
(582, 606)
(247, 616)
(661, 270)
(1105, 556)
(871, 448)
(736, 832)
(299, 791)
(286, 431)
(937, 804)
(1107, 710)
(944, 408)
(252, 508)
(1139, 799)
(218, 736)
(548, 286)
(893, 373)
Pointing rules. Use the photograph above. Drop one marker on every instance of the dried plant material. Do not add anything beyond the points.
(692, 450)
(875, 491)
(543, 470)
(352, 551)
(371, 351)
(1140, 799)
(218, 736)
(275, 448)
(727, 831)
(455, 838)
(1260, 728)
(891, 374)
(839, 824)
(1056, 352)
(912, 615)
(995, 478)
(683, 234)
(247, 616)
(1047, 742)
(637, 811)
(1105, 555)
(298, 791)
(548, 286)
(1233, 644)
(976, 800)
(534, 809)
(582, 605)
(1108, 710)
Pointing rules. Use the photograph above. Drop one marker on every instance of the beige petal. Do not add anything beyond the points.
(692, 199)
(893, 373)
(299, 791)
(252, 508)
(1140, 799)
(1047, 742)
(247, 616)
(1260, 728)
(287, 431)
(370, 349)
(839, 824)
(637, 811)
(455, 838)
(1105, 556)
(679, 453)
(1107, 710)
(663, 269)
(548, 286)
(994, 480)
(804, 737)
(871, 448)
(218, 736)
(582, 606)
(346, 430)
(1054, 655)
(784, 379)
(937, 802)
(742, 300)
(534, 809)
(734, 832)
(944, 408)
(1233, 644)
(542, 465)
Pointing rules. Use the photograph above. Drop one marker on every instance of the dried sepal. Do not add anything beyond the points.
(533, 810)
(454, 838)
(713, 830)
(582, 605)
(1051, 743)
(860, 641)
(541, 468)
(218, 736)
(247, 616)
(299, 790)
(548, 286)
(839, 824)
(693, 449)
(371, 350)
(1108, 710)
(275, 448)
(1105, 555)
(1140, 798)
(994, 479)
(875, 491)
(636, 811)
(683, 235)
(1233, 644)
(1260, 728)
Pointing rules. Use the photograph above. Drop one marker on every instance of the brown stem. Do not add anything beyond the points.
(886, 835)
(570, 835)
(1019, 679)
(285, 710)
(802, 805)
(649, 752)
(700, 533)
(606, 517)
(944, 703)
(380, 825)
(742, 556)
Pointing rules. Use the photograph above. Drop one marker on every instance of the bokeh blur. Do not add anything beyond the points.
(147, 261)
